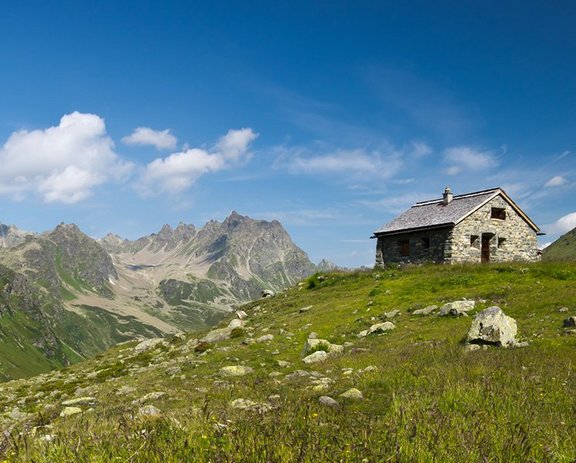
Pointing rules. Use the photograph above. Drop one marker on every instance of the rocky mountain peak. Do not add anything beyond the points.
(11, 236)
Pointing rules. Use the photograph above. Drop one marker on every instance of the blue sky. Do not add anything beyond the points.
(330, 116)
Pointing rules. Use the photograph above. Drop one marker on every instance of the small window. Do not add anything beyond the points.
(474, 240)
(498, 213)
(501, 242)
(404, 247)
(425, 243)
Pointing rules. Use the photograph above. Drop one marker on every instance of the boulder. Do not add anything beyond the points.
(493, 327)
(569, 322)
(147, 344)
(457, 308)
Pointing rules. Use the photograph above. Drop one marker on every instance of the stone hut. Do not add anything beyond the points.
(483, 226)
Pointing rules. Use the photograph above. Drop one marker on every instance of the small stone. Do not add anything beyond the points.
(313, 335)
(69, 411)
(236, 370)
(265, 338)
(283, 363)
(563, 309)
(318, 356)
(352, 394)
(305, 309)
(457, 308)
(80, 401)
(328, 401)
(569, 322)
(267, 293)
(391, 314)
(426, 310)
(147, 344)
(241, 314)
(149, 411)
(150, 396)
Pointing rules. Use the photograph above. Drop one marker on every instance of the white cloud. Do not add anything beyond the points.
(351, 163)
(463, 158)
(161, 139)
(62, 163)
(563, 224)
(558, 180)
(179, 171)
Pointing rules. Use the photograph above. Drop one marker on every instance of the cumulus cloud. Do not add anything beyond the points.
(464, 158)
(351, 163)
(563, 224)
(61, 163)
(161, 139)
(178, 171)
(558, 180)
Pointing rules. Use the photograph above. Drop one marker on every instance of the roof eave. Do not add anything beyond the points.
(413, 229)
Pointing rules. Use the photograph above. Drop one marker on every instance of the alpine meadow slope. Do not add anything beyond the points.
(247, 391)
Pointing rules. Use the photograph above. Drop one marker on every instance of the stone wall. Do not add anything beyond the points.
(424, 246)
(510, 237)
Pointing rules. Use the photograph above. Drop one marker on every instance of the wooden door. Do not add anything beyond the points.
(485, 251)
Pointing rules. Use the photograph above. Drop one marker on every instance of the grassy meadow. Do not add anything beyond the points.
(425, 397)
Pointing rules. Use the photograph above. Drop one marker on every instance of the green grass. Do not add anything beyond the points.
(428, 400)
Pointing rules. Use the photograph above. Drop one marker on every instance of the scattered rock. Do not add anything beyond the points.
(368, 369)
(305, 309)
(426, 310)
(241, 314)
(147, 344)
(569, 322)
(150, 396)
(563, 309)
(80, 401)
(352, 394)
(249, 405)
(457, 308)
(236, 370)
(313, 345)
(265, 338)
(221, 334)
(313, 335)
(283, 363)
(69, 411)
(493, 327)
(149, 411)
(315, 357)
(377, 328)
(328, 401)
(172, 371)
(391, 314)
(267, 293)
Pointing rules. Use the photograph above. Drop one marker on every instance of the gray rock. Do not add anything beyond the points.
(457, 308)
(80, 401)
(316, 357)
(328, 401)
(241, 314)
(267, 293)
(352, 394)
(492, 326)
(149, 411)
(249, 405)
(265, 338)
(569, 322)
(391, 314)
(314, 344)
(150, 396)
(147, 344)
(236, 370)
(426, 310)
(377, 329)
(563, 309)
(305, 309)
(69, 411)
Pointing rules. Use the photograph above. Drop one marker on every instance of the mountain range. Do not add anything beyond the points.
(67, 296)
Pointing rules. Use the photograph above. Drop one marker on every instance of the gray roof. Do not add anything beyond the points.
(432, 214)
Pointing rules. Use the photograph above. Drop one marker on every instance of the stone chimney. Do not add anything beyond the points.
(447, 196)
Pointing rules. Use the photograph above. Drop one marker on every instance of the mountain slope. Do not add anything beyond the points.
(249, 396)
(87, 300)
(563, 248)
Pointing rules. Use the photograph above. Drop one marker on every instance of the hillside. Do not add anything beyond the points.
(564, 248)
(243, 393)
